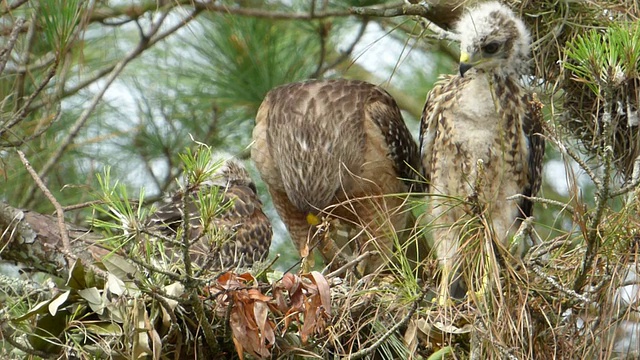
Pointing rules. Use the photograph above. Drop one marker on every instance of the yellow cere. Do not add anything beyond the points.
(313, 220)
(464, 57)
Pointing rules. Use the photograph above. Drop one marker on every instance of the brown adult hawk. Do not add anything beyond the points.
(338, 147)
(481, 120)
(236, 233)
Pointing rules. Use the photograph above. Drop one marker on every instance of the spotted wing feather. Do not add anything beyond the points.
(533, 129)
(403, 150)
(241, 227)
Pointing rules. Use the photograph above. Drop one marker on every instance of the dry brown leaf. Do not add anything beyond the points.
(309, 321)
(323, 289)
(260, 311)
(252, 331)
(255, 294)
(238, 346)
(280, 303)
(290, 316)
(247, 277)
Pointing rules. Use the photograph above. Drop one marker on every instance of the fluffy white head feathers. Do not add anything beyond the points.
(493, 39)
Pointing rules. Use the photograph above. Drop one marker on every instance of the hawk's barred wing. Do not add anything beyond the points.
(533, 129)
(237, 233)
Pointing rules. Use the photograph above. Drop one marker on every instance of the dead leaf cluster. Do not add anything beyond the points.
(300, 303)
(248, 312)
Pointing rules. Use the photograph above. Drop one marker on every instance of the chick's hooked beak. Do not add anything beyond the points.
(465, 63)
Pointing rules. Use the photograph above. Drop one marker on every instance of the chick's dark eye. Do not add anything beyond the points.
(491, 48)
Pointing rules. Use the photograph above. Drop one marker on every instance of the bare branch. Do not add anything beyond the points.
(565, 150)
(350, 264)
(553, 282)
(10, 7)
(22, 113)
(442, 13)
(146, 42)
(345, 54)
(565, 207)
(66, 244)
(8, 337)
(13, 37)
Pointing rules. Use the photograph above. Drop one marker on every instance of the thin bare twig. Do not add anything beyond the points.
(147, 41)
(186, 244)
(174, 327)
(345, 54)
(323, 33)
(438, 32)
(635, 181)
(350, 264)
(73, 90)
(13, 37)
(25, 59)
(402, 10)
(8, 337)
(14, 5)
(553, 282)
(564, 149)
(566, 207)
(22, 113)
(66, 244)
(506, 353)
(203, 320)
(82, 205)
(602, 195)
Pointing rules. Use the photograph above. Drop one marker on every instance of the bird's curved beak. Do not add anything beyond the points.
(465, 63)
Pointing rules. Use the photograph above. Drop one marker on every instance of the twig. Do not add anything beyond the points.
(439, 33)
(39, 130)
(10, 7)
(323, 33)
(13, 37)
(42, 62)
(351, 263)
(66, 244)
(73, 90)
(27, 350)
(209, 335)
(563, 149)
(82, 205)
(553, 282)
(345, 54)
(602, 195)
(21, 73)
(403, 10)
(172, 316)
(538, 251)
(392, 9)
(186, 244)
(268, 266)
(154, 270)
(395, 9)
(566, 207)
(24, 110)
(506, 353)
(146, 42)
(635, 181)
(25, 59)
(524, 230)
(364, 352)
